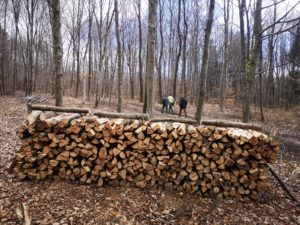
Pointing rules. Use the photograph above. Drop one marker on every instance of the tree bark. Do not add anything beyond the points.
(260, 83)
(201, 92)
(225, 55)
(120, 82)
(2, 81)
(78, 32)
(90, 73)
(57, 50)
(270, 84)
(179, 50)
(184, 48)
(161, 53)
(140, 52)
(252, 62)
(243, 44)
(151, 55)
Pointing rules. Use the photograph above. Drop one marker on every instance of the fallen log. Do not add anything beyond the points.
(222, 123)
(138, 116)
(59, 109)
(282, 184)
(272, 135)
(174, 120)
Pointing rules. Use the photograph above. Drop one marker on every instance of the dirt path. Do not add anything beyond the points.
(61, 202)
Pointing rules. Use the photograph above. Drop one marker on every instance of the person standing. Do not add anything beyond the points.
(171, 103)
(165, 104)
(182, 105)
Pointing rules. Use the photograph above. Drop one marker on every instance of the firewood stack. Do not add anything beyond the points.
(213, 161)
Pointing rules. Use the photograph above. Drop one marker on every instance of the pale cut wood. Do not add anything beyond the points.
(27, 220)
(33, 116)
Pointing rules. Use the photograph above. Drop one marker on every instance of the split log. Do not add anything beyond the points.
(33, 116)
(216, 161)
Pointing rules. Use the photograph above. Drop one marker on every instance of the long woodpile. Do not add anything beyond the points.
(213, 161)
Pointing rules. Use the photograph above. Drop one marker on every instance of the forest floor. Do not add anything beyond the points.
(61, 202)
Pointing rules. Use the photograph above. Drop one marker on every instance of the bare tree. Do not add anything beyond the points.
(138, 2)
(179, 36)
(16, 12)
(271, 45)
(184, 49)
(78, 38)
(243, 41)
(225, 63)
(90, 73)
(57, 50)
(151, 55)
(252, 61)
(161, 53)
(201, 92)
(2, 89)
(260, 66)
(120, 77)
(103, 42)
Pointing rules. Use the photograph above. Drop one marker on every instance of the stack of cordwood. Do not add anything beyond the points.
(209, 160)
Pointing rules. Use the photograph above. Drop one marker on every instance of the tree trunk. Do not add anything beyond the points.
(251, 64)
(2, 81)
(270, 84)
(224, 67)
(140, 52)
(159, 72)
(89, 83)
(78, 31)
(184, 47)
(179, 50)
(260, 83)
(243, 44)
(201, 91)
(57, 51)
(16, 10)
(119, 109)
(151, 55)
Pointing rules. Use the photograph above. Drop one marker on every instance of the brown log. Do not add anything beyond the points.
(59, 109)
(174, 120)
(221, 123)
(139, 116)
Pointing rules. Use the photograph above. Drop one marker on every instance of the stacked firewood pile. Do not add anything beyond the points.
(213, 161)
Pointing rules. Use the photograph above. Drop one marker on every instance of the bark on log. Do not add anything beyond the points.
(59, 109)
(140, 116)
(282, 184)
(174, 120)
(221, 123)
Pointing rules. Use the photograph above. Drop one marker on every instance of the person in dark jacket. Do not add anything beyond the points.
(182, 105)
(165, 104)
